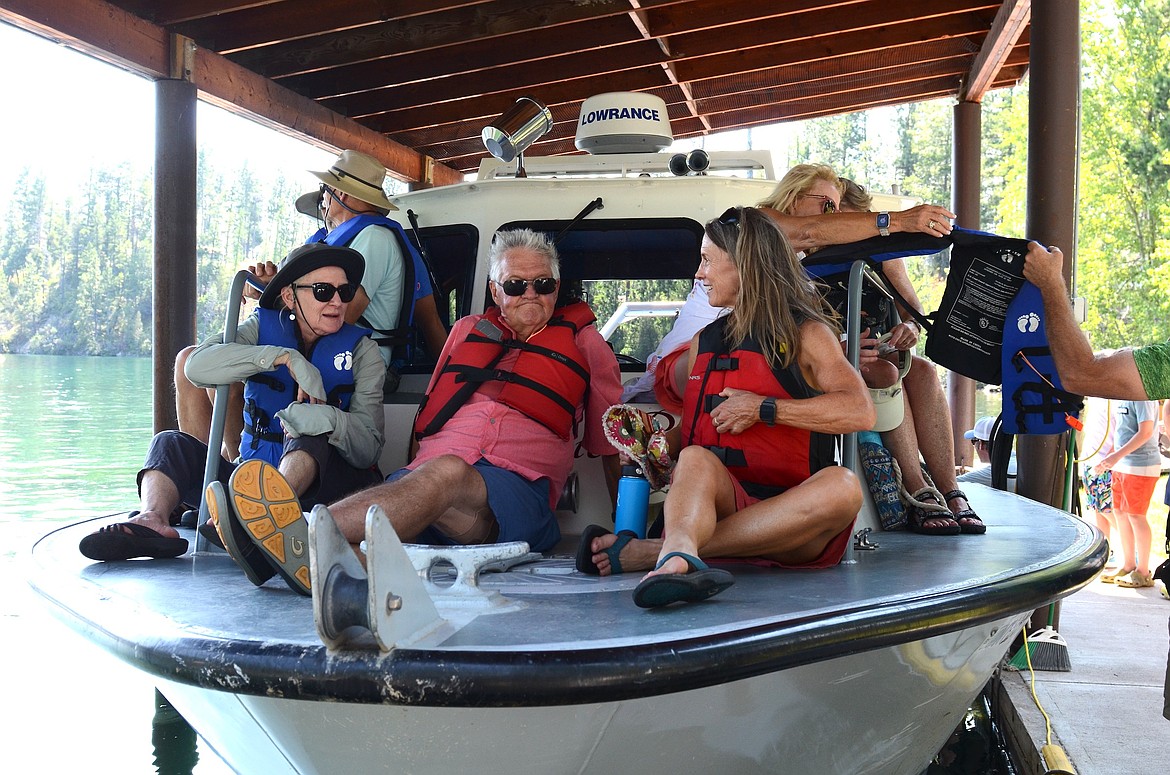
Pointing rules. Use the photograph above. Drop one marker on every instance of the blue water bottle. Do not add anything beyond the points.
(633, 501)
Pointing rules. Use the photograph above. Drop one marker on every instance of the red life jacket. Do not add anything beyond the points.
(765, 459)
(547, 381)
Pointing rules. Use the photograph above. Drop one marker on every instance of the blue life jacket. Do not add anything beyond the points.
(267, 393)
(1033, 399)
(989, 324)
(416, 278)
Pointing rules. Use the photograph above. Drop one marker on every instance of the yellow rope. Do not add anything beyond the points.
(1032, 673)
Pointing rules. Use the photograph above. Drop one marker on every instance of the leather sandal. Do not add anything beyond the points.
(923, 507)
(969, 521)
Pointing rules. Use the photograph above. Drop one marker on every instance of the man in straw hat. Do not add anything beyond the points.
(351, 206)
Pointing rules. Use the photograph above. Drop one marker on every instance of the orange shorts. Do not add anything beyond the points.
(1132, 492)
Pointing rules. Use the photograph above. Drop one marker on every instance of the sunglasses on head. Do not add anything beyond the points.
(542, 285)
(323, 292)
(730, 217)
(829, 205)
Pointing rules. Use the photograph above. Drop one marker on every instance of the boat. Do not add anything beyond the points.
(496, 659)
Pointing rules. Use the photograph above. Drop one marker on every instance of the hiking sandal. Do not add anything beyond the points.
(924, 506)
(969, 521)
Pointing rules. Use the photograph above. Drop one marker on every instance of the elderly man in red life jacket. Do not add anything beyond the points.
(496, 430)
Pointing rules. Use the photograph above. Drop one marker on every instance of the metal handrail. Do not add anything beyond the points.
(220, 406)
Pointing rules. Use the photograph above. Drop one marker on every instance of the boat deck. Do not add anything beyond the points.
(197, 619)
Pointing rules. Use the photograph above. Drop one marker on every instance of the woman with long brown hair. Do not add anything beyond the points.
(768, 389)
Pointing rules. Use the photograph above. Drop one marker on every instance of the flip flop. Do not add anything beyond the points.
(233, 538)
(127, 540)
(700, 583)
(584, 561)
(267, 507)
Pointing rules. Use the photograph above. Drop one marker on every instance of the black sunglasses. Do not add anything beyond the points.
(323, 292)
(542, 285)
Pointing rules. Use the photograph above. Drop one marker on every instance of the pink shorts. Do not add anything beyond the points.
(831, 555)
(1132, 492)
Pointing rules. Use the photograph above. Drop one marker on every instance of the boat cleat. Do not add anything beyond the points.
(397, 597)
(861, 540)
(467, 562)
(350, 603)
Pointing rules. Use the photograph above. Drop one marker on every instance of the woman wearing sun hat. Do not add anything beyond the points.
(313, 406)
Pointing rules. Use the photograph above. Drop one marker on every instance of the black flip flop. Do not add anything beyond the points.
(584, 561)
(700, 583)
(127, 540)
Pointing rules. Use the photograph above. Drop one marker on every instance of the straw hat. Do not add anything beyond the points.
(359, 175)
(307, 258)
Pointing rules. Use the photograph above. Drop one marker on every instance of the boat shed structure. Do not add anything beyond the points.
(412, 82)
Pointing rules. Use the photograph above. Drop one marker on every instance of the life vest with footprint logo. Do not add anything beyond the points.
(266, 393)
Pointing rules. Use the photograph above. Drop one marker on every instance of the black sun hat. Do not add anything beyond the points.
(307, 258)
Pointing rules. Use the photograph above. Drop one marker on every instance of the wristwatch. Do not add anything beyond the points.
(768, 411)
(883, 224)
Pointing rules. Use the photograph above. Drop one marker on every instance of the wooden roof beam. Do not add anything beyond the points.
(115, 36)
(1009, 24)
(638, 16)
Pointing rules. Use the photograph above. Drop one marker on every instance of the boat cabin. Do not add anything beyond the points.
(628, 228)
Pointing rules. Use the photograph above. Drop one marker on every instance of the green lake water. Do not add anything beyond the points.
(72, 435)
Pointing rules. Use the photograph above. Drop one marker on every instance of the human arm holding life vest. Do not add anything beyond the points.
(358, 432)
(840, 228)
(1082, 371)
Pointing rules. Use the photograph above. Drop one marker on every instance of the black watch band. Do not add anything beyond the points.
(768, 411)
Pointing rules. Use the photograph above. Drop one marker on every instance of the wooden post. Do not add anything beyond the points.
(968, 146)
(1054, 102)
(174, 229)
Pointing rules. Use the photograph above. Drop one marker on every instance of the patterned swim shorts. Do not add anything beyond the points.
(1098, 489)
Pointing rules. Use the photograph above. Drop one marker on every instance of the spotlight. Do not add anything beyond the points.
(515, 129)
(698, 160)
(678, 164)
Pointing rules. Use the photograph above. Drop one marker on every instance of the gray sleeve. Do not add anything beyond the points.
(215, 363)
(359, 433)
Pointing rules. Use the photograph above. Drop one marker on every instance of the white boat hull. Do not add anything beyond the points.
(883, 711)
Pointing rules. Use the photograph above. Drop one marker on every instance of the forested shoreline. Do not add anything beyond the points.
(78, 269)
